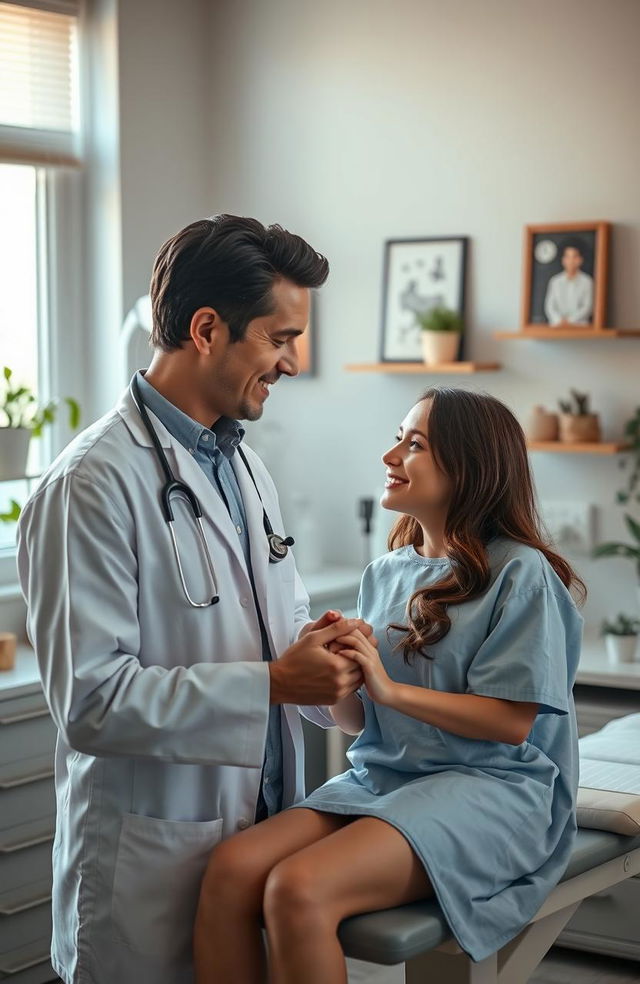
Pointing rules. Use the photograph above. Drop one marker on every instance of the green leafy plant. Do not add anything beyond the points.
(627, 550)
(439, 319)
(577, 405)
(20, 408)
(622, 625)
(632, 435)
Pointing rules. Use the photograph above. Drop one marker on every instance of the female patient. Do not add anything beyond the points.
(464, 773)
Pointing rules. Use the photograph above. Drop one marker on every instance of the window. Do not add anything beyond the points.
(40, 195)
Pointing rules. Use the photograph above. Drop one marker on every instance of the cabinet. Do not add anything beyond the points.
(27, 823)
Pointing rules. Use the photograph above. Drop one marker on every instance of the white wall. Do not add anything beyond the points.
(355, 122)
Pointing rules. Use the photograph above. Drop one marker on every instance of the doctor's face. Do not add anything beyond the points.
(248, 368)
(415, 484)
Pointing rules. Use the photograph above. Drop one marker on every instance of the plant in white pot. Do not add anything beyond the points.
(621, 638)
(21, 418)
(441, 332)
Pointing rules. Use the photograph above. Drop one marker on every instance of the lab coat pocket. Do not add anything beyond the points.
(159, 867)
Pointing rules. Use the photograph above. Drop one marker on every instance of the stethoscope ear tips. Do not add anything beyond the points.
(215, 599)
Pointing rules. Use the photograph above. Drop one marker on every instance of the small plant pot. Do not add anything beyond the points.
(542, 426)
(7, 650)
(14, 448)
(579, 428)
(440, 346)
(621, 648)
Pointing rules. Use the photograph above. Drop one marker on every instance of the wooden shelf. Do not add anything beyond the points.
(575, 447)
(548, 332)
(423, 368)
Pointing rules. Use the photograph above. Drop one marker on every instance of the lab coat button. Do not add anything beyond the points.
(243, 823)
(244, 602)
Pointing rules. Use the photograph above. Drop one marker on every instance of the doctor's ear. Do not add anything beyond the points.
(208, 330)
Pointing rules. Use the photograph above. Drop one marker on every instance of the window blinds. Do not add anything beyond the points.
(38, 82)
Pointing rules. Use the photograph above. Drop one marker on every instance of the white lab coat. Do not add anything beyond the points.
(161, 708)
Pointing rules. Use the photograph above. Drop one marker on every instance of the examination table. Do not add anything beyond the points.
(609, 798)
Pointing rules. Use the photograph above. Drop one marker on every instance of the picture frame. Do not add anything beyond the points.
(419, 274)
(565, 273)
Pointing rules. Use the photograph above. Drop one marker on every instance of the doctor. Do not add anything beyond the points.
(173, 653)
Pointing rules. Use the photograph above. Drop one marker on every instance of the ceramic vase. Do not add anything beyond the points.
(621, 648)
(14, 448)
(542, 426)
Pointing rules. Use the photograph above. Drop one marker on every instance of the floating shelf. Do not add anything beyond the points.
(575, 447)
(422, 368)
(548, 332)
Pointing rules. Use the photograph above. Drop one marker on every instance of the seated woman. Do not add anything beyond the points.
(464, 774)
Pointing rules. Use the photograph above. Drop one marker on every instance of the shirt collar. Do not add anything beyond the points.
(226, 434)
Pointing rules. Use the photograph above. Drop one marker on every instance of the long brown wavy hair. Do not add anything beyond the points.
(478, 443)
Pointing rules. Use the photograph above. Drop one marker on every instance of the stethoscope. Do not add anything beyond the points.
(278, 546)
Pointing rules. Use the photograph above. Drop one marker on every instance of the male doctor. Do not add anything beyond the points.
(177, 717)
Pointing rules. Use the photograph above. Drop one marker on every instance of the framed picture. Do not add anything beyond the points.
(565, 275)
(419, 274)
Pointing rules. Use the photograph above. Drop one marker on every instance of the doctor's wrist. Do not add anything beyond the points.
(277, 689)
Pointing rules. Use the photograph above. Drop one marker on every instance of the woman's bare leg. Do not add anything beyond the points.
(361, 867)
(228, 946)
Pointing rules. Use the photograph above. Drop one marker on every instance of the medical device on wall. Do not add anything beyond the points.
(278, 546)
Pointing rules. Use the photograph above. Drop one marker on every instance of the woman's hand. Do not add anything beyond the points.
(380, 686)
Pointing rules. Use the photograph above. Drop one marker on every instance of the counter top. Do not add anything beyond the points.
(596, 670)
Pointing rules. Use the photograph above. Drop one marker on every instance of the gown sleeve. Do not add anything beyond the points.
(525, 656)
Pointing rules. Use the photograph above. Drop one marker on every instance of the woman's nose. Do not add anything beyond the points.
(391, 456)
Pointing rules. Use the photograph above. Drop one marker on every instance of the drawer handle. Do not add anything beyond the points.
(38, 712)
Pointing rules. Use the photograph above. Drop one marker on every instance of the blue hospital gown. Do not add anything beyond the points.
(492, 823)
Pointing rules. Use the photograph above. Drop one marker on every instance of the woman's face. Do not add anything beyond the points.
(415, 485)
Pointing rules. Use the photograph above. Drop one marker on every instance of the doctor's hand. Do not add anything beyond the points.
(330, 618)
(309, 673)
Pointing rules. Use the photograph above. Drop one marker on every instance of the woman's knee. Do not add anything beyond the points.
(291, 895)
(233, 876)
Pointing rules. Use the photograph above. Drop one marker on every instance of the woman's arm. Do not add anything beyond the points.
(348, 714)
(467, 715)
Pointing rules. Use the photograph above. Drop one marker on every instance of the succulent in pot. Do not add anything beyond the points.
(441, 330)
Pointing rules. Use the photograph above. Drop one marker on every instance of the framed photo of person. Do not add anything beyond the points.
(419, 274)
(565, 275)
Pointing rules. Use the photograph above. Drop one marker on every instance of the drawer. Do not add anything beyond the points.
(26, 801)
(24, 927)
(607, 922)
(28, 964)
(26, 729)
(23, 867)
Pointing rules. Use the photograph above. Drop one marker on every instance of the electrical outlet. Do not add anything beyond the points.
(570, 524)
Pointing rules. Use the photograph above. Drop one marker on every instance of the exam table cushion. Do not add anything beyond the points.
(609, 793)
(392, 936)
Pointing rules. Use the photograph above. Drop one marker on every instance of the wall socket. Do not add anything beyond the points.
(570, 524)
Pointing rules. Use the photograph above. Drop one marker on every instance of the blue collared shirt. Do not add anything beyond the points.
(213, 449)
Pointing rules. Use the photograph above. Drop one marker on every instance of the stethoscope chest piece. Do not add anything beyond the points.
(278, 547)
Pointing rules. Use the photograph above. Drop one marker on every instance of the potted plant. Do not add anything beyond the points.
(577, 423)
(621, 638)
(441, 331)
(21, 418)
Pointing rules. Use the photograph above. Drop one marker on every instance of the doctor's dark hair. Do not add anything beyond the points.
(478, 443)
(228, 263)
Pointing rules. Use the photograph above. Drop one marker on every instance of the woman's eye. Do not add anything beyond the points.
(414, 444)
